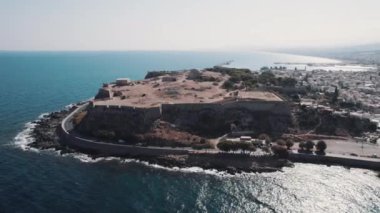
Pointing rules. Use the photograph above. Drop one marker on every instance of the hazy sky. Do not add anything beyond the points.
(185, 25)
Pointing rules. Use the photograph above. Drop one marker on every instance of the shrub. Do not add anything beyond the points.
(281, 142)
(152, 74)
(301, 147)
(289, 143)
(321, 147)
(309, 145)
(287, 82)
(79, 117)
(233, 146)
(280, 151)
(265, 137)
(228, 85)
(267, 77)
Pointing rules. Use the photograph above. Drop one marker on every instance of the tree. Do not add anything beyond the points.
(267, 77)
(236, 145)
(321, 147)
(228, 85)
(289, 143)
(287, 82)
(335, 96)
(280, 151)
(301, 147)
(281, 142)
(309, 145)
(224, 146)
(265, 137)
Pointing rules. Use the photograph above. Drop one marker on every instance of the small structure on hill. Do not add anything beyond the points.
(123, 81)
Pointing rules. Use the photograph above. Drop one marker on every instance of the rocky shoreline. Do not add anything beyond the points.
(44, 131)
(45, 137)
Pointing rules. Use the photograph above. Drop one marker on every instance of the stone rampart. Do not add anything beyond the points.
(121, 120)
(216, 118)
(70, 139)
(204, 119)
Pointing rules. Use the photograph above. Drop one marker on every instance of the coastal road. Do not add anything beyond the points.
(345, 147)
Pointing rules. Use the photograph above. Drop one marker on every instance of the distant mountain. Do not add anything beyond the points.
(368, 53)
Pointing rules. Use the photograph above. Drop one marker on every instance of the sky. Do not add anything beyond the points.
(186, 25)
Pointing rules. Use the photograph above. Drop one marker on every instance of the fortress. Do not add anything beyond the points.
(192, 101)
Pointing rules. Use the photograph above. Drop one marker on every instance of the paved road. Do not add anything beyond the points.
(347, 147)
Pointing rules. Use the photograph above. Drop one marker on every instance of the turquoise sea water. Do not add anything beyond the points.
(32, 83)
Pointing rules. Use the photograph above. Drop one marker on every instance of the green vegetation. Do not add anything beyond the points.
(250, 80)
(321, 147)
(234, 146)
(228, 85)
(79, 117)
(281, 142)
(287, 82)
(203, 144)
(289, 144)
(280, 151)
(244, 76)
(153, 74)
(301, 147)
(309, 146)
(335, 96)
(196, 75)
(265, 137)
(265, 68)
(229, 71)
(267, 77)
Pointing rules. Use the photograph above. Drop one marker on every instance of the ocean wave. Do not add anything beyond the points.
(24, 138)
(42, 116)
(89, 159)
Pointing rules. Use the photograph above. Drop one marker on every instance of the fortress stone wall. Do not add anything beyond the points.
(213, 119)
(122, 120)
(204, 119)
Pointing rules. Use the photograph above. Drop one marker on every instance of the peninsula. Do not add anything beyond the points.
(221, 118)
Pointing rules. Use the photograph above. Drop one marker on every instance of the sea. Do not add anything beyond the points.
(35, 83)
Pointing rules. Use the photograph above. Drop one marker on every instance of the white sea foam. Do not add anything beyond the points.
(69, 106)
(42, 116)
(24, 137)
(179, 169)
(88, 159)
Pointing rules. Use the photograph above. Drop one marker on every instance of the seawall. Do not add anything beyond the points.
(67, 137)
(206, 159)
(203, 119)
(334, 159)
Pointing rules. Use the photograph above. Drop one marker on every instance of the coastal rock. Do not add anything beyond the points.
(44, 132)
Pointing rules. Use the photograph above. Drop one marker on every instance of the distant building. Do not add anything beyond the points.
(123, 81)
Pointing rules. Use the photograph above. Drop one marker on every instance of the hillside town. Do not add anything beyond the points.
(357, 93)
